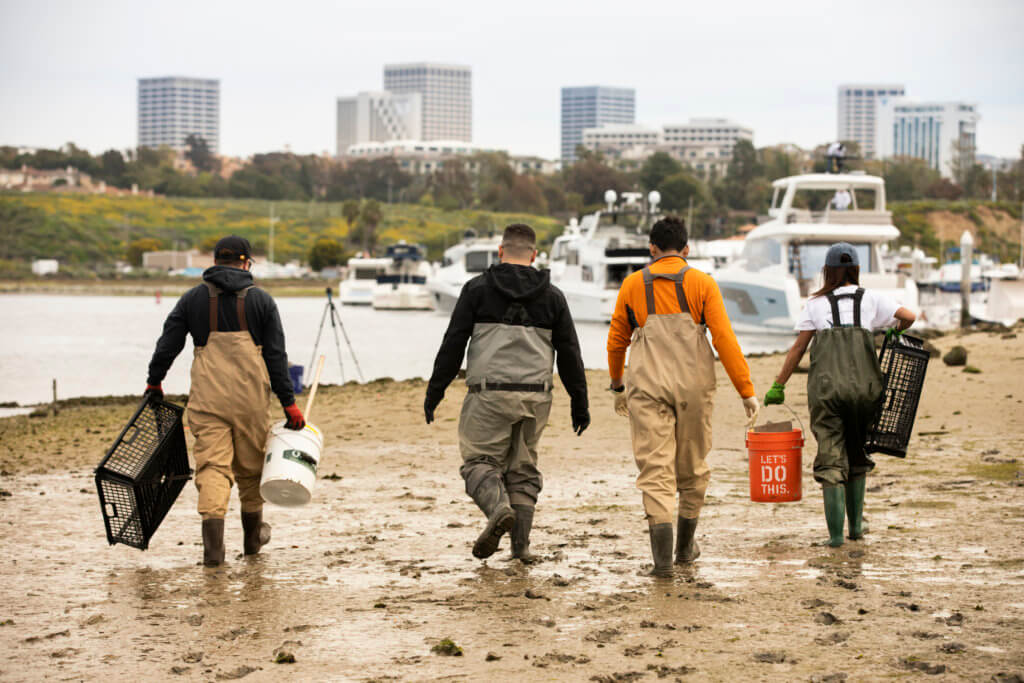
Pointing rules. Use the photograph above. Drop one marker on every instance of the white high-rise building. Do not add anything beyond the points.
(171, 108)
(447, 92)
(941, 133)
(858, 104)
(378, 117)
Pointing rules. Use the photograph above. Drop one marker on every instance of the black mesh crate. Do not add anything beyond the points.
(904, 363)
(142, 474)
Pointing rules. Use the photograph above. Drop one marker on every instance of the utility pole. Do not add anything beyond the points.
(966, 254)
(272, 221)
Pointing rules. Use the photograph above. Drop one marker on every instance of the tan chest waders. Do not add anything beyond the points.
(670, 388)
(844, 395)
(228, 414)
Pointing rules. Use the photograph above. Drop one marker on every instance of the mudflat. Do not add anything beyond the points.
(374, 579)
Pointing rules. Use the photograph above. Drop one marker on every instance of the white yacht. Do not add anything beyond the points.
(360, 281)
(782, 259)
(467, 259)
(591, 258)
(403, 284)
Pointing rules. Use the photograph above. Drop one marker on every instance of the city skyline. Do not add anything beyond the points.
(63, 60)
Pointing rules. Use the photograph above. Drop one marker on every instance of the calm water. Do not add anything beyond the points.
(100, 345)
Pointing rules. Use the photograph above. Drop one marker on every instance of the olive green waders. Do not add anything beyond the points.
(845, 390)
(227, 412)
(670, 392)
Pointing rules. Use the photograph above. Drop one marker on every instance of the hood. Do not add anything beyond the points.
(228, 278)
(519, 283)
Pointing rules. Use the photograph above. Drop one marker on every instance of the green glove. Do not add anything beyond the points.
(776, 395)
(892, 332)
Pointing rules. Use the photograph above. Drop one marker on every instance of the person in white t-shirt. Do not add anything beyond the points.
(841, 200)
(845, 387)
(834, 157)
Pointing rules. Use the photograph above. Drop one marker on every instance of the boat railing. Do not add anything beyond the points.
(850, 217)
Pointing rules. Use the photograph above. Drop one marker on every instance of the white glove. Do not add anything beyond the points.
(620, 404)
(752, 407)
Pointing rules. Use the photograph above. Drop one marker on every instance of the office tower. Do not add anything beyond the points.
(591, 107)
(941, 133)
(447, 97)
(171, 108)
(378, 117)
(858, 105)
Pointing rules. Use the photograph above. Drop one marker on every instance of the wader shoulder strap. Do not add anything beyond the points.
(833, 301)
(214, 294)
(857, 297)
(243, 325)
(678, 278)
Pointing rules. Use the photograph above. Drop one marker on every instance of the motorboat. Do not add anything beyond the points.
(782, 259)
(360, 281)
(403, 284)
(467, 259)
(592, 257)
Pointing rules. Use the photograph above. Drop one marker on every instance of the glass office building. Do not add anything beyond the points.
(171, 108)
(590, 107)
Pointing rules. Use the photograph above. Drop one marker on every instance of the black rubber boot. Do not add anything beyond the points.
(256, 532)
(835, 513)
(855, 489)
(661, 549)
(492, 499)
(687, 548)
(213, 542)
(521, 534)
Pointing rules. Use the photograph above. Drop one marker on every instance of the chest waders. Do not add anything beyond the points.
(228, 408)
(670, 389)
(845, 390)
(501, 424)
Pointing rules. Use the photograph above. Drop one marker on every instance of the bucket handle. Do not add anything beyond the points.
(791, 412)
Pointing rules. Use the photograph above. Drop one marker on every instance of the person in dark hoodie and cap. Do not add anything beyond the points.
(516, 324)
(239, 357)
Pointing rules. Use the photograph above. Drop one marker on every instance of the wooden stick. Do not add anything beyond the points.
(312, 388)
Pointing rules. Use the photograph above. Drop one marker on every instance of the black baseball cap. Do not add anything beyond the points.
(232, 248)
(842, 254)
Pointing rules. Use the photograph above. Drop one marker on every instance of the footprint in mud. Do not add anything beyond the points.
(559, 658)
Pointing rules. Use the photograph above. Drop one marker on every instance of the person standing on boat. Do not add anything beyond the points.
(845, 387)
(834, 157)
(663, 313)
(239, 357)
(517, 324)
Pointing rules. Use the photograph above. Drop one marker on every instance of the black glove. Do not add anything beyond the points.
(429, 404)
(154, 392)
(580, 421)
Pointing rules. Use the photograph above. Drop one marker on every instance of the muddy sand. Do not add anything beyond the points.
(375, 574)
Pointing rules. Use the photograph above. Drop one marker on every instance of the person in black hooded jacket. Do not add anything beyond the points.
(517, 323)
(239, 358)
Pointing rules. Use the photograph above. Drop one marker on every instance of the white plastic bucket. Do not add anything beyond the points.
(289, 470)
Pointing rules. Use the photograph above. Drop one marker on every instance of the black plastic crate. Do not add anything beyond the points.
(904, 362)
(142, 474)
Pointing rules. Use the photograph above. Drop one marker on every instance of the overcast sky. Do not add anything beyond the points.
(70, 68)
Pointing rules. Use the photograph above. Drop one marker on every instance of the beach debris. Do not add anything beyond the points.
(559, 658)
(235, 674)
(621, 677)
(826, 618)
(192, 657)
(773, 657)
(952, 648)
(955, 619)
(664, 671)
(284, 657)
(955, 356)
(179, 670)
(491, 657)
(447, 648)
(970, 369)
(605, 635)
(915, 664)
(534, 595)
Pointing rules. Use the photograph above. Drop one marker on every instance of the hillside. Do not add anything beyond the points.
(937, 225)
(95, 231)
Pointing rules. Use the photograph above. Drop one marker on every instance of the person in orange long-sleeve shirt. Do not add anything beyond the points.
(664, 311)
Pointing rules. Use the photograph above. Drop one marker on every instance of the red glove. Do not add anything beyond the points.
(154, 392)
(295, 419)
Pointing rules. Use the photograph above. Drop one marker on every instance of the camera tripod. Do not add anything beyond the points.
(335, 324)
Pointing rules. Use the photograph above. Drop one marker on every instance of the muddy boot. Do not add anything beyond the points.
(213, 542)
(256, 532)
(521, 534)
(687, 549)
(855, 507)
(492, 499)
(661, 549)
(835, 513)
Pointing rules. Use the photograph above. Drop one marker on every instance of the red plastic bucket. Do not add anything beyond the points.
(776, 463)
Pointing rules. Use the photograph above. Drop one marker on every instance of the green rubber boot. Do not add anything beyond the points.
(835, 513)
(855, 507)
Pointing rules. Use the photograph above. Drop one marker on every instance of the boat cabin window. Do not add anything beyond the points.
(367, 273)
(558, 250)
(572, 257)
(617, 272)
(807, 260)
(761, 253)
(587, 273)
(478, 261)
(777, 196)
(628, 220)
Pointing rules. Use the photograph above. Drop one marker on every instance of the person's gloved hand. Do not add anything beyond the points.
(429, 406)
(580, 420)
(751, 406)
(153, 392)
(620, 404)
(295, 419)
(776, 395)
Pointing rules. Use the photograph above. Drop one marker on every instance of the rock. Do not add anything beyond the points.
(491, 657)
(1007, 678)
(914, 664)
(972, 370)
(179, 670)
(533, 595)
(235, 674)
(955, 619)
(664, 671)
(771, 657)
(956, 356)
(826, 618)
(952, 648)
(447, 648)
(193, 657)
(284, 657)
